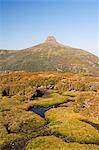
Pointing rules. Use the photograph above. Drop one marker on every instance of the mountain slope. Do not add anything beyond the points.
(49, 56)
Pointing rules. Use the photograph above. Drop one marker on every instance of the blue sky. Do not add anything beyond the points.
(24, 23)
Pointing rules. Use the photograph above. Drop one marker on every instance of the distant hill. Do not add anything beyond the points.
(49, 56)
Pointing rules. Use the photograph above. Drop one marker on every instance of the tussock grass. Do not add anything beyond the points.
(71, 128)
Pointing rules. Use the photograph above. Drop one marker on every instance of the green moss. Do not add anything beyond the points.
(70, 93)
(54, 99)
(3, 132)
(26, 122)
(54, 143)
(71, 128)
(1, 110)
(45, 142)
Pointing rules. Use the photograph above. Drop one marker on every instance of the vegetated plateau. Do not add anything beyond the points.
(70, 123)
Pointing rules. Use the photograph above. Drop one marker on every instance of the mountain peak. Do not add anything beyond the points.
(51, 39)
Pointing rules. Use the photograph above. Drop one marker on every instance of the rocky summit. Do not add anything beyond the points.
(51, 39)
(49, 56)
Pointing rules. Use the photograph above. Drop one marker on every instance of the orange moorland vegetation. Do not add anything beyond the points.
(71, 116)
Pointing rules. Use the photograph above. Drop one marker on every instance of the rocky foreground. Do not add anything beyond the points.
(70, 123)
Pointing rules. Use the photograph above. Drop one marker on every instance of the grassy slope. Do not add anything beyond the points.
(49, 57)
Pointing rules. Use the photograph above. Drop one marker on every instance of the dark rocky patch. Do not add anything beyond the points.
(5, 93)
(40, 92)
